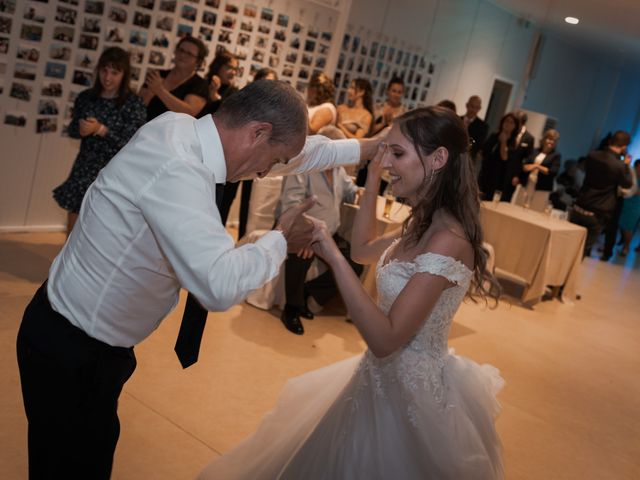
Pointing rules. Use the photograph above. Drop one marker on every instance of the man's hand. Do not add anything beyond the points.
(296, 229)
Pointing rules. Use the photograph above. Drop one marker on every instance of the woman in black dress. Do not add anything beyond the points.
(180, 89)
(500, 167)
(105, 117)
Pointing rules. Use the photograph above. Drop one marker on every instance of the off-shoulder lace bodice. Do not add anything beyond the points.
(418, 365)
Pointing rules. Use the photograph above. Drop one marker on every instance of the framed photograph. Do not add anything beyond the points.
(55, 70)
(258, 56)
(246, 26)
(287, 71)
(241, 53)
(264, 27)
(295, 43)
(141, 19)
(274, 61)
(21, 91)
(206, 34)
(34, 13)
(266, 14)
(229, 21)
(8, 6)
(24, 71)
(209, 18)
(165, 23)
(292, 57)
(326, 36)
(114, 34)
(4, 45)
(85, 60)
(157, 58)
(32, 33)
(168, 6)
(276, 48)
(148, 4)
(189, 13)
(5, 24)
(283, 20)
(63, 34)
(46, 125)
(212, 3)
(297, 28)
(303, 73)
(184, 30)
(323, 49)
(250, 11)
(91, 25)
(161, 40)
(88, 42)
(117, 14)
(47, 107)
(307, 59)
(15, 118)
(83, 78)
(94, 7)
(138, 37)
(224, 36)
(136, 56)
(280, 35)
(261, 42)
(30, 54)
(321, 62)
(231, 8)
(66, 15)
(69, 2)
(51, 89)
(59, 52)
(309, 46)
(243, 39)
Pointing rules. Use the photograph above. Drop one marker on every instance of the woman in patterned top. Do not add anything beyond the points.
(180, 89)
(105, 117)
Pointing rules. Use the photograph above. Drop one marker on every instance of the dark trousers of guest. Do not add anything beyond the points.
(70, 388)
(322, 288)
(594, 225)
(230, 190)
(611, 229)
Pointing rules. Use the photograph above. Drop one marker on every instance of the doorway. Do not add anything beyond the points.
(498, 102)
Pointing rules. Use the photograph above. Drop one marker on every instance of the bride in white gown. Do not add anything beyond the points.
(407, 408)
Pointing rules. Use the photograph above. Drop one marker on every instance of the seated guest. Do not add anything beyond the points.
(331, 187)
(354, 118)
(320, 100)
(180, 89)
(543, 164)
(498, 158)
(391, 108)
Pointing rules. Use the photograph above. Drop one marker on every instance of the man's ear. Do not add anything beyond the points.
(261, 132)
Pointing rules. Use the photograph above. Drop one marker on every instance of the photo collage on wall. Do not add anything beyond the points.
(378, 59)
(49, 48)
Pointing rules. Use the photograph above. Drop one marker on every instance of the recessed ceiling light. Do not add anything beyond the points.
(571, 20)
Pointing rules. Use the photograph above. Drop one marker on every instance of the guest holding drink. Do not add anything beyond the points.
(105, 117)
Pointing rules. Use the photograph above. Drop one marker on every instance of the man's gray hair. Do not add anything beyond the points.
(269, 101)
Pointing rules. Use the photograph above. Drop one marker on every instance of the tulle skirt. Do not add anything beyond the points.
(339, 423)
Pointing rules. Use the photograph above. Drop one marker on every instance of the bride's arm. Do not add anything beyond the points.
(366, 245)
(384, 334)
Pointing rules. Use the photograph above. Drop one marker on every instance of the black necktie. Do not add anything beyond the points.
(193, 318)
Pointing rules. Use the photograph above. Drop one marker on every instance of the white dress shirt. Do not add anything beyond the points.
(149, 225)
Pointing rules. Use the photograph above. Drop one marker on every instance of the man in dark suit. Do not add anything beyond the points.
(477, 128)
(524, 148)
(604, 173)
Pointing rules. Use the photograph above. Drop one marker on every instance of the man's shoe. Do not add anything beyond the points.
(305, 313)
(291, 320)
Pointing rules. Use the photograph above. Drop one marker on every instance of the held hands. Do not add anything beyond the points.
(154, 81)
(295, 227)
(323, 244)
(89, 126)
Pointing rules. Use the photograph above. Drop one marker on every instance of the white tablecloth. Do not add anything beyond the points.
(535, 248)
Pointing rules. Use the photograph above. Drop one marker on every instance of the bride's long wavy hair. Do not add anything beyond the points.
(453, 187)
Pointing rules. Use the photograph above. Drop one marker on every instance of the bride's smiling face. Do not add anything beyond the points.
(409, 172)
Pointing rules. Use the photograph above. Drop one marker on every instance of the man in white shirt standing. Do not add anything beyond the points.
(147, 227)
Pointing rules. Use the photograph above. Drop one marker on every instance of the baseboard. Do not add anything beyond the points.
(32, 228)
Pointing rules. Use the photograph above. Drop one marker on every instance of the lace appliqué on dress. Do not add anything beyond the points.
(417, 368)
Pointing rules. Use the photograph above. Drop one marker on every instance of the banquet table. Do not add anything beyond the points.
(398, 213)
(534, 248)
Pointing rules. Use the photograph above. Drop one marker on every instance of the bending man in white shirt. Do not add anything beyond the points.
(147, 227)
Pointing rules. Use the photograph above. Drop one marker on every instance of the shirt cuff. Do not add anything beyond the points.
(274, 243)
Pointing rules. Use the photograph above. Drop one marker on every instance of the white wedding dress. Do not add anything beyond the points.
(420, 413)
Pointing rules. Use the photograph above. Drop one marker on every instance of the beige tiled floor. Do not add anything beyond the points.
(570, 404)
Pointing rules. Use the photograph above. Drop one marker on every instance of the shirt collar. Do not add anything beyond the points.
(212, 152)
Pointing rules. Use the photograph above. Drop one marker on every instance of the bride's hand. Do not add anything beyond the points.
(376, 168)
(322, 241)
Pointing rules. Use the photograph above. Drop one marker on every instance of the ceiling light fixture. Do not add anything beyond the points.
(571, 20)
